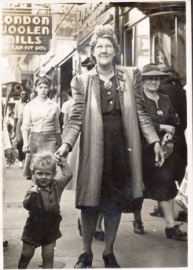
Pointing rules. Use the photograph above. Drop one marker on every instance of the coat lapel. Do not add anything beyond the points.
(120, 79)
(95, 87)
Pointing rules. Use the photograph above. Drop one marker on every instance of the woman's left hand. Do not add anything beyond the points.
(168, 137)
(159, 155)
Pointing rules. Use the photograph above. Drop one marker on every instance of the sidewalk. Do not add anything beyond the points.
(132, 251)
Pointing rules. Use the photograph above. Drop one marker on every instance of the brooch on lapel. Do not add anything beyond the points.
(160, 113)
(108, 85)
(120, 78)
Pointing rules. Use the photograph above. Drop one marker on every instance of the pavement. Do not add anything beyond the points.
(132, 251)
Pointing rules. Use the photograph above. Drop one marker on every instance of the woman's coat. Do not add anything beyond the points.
(86, 118)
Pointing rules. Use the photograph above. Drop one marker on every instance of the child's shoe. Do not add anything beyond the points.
(138, 227)
(84, 261)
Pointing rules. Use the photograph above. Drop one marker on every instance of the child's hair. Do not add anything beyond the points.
(43, 79)
(43, 159)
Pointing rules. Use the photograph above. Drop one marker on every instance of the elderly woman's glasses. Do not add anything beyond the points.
(106, 48)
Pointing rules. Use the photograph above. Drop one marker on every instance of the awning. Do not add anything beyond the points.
(63, 48)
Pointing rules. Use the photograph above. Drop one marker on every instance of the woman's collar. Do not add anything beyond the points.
(94, 72)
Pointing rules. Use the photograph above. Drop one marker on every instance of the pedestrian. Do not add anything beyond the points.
(160, 181)
(108, 104)
(42, 202)
(8, 158)
(171, 86)
(40, 126)
(18, 116)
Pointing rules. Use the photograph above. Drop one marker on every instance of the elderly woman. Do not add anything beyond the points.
(108, 112)
(160, 181)
(40, 127)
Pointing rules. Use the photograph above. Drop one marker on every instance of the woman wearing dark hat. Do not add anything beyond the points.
(160, 181)
(40, 127)
(108, 103)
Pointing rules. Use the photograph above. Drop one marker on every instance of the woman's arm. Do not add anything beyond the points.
(73, 127)
(74, 124)
(25, 128)
(145, 122)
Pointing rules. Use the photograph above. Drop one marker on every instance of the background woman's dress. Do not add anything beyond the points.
(159, 181)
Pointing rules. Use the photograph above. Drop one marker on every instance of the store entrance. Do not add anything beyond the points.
(65, 79)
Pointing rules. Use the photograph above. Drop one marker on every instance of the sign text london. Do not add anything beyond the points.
(26, 34)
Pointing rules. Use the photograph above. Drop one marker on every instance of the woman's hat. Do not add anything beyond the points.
(152, 70)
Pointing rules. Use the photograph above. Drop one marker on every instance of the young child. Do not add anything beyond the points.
(42, 202)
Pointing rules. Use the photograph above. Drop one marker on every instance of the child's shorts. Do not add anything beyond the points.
(41, 231)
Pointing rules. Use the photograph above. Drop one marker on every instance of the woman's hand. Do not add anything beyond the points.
(167, 128)
(168, 137)
(62, 152)
(25, 149)
(159, 155)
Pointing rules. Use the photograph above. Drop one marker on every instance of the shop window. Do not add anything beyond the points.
(128, 47)
(65, 79)
(142, 43)
(137, 44)
(168, 42)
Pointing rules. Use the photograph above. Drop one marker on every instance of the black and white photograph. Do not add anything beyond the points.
(96, 137)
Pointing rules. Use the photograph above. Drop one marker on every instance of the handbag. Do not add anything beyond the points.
(167, 148)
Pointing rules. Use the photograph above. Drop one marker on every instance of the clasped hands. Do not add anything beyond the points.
(63, 151)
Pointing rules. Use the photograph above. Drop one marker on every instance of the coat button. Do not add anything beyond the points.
(110, 102)
(129, 149)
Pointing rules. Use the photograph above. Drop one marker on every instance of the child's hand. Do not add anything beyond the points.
(61, 162)
(35, 189)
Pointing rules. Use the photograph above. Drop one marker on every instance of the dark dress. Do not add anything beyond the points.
(116, 192)
(159, 182)
(178, 98)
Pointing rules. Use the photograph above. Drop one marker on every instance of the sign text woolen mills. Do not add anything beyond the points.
(26, 34)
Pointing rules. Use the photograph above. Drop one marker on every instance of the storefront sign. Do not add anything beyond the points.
(26, 34)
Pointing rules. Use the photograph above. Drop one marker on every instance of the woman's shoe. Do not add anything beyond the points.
(175, 233)
(84, 261)
(110, 261)
(79, 227)
(182, 216)
(138, 227)
(99, 235)
(157, 212)
(5, 243)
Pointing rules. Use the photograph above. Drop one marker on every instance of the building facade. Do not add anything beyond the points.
(147, 32)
